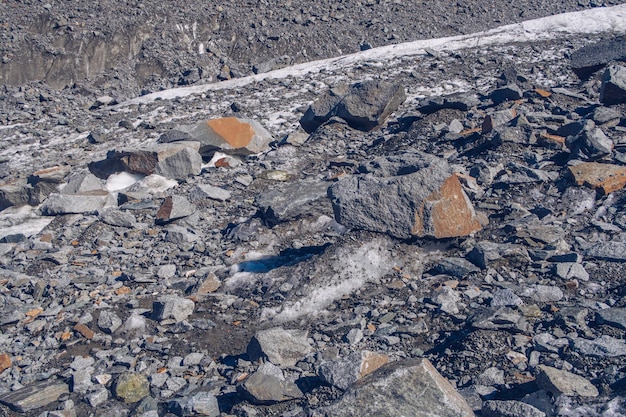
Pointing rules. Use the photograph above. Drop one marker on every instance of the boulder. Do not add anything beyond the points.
(172, 307)
(174, 207)
(363, 105)
(263, 388)
(404, 196)
(91, 202)
(405, 388)
(294, 200)
(227, 134)
(590, 58)
(131, 387)
(281, 347)
(606, 178)
(559, 381)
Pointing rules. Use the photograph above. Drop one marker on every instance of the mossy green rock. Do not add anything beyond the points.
(131, 387)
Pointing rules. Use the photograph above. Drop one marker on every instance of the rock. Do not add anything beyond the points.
(5, 362)
(605, 177)
(57, 203)
(590, 58)
(294, 200)
(403, 388)
(505, 297)
(97, 397)
(230, 135)
(281, 347)
(495, 408)
(323, 108)
(613, 317)
(613, 89)
(455, 267)
(561, 382)
(610, 251)
(498, 318)
(85, 331)
(205, 191)
(174, 207)
(83, 183)
(590, 144)
(131, 387)
(458, 101)
(261, 388)
(508, 92)
(447, 298)
(35, 396)
(109, 322)
(200, 403)
(173, 307)
(571, 270)
(118, 218)
(14, 194)
(491, 254)
(343, 372)
(409, 195)
(544, 293)
(603, 347)
(491, 376)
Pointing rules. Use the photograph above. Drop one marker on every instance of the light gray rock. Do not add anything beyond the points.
(173, 208)
(118, 218)
(571, 270)
(544, 293)
(345, 371)
(505, 297)
(14, 194)
(590, 144)
(261, 388)
(410, 195)
(608, 251)
(613, 317)
(108, 321)
(403, 388)
(82, 183)
(491, 376)
(558, 381)
(495, 408)
(76, 203)
(613, 89)
(205, 191)
(97, 397)
(200, 403)
(491, 254)
(281, 347)
(172, 307)
(498, 318)
(294, 200)
(603, 347)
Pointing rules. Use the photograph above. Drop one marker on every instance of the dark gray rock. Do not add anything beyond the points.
(455, 267)
(498, 318)
(363, 106)
(403, 388)
(613, 317)
(457, 101)
(590, 58)
(35, 396)
(294, 200)
(508, 92)
(590, 144)
(603, 347)
(613, 89)
(491, 254)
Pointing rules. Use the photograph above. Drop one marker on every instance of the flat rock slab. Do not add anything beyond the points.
(35, 396)
(261, 388)
(403, 388)
(608, 251)
(613, 89)
(76, 203)
(613, 317)
(294, 200)
(405, 196)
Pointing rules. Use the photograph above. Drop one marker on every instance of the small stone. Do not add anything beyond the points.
(5, 362)
(261, 388)
(205, 191)
(613, 89)
(609, 251)
(200, 403)
(544, 293)
(613, 317)
(491, 376)
(354, 336)
(559, 382)
(282, 347)
(590, 144)
(174, 207)
(571, 270)
(208, 284)
(167, 271)
(85, 331)
(177, 308)
(505, 297)
(131, 387)
(109, 322)
(508, 92)
(294, 200)
(118, 218)
(97, 397)
(495, 408)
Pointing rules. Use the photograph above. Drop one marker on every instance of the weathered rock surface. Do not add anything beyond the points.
(614, 85)
(414, 195)
(343, 372)
(558, 381)
(131, 387)
(34, 396)
(295, 200)
(412, 387)
(280, 346)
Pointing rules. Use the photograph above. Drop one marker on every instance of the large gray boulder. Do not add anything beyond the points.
(363, 106)
(404, 388)
(590, 58)
(613, 89)
(404, 196)
(294, 200)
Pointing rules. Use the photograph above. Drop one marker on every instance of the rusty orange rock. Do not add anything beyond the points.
(5, 362)
(371, 361)
(236, 133)
(231, 135)
(605, 177)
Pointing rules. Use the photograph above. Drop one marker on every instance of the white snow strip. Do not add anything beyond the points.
(592, 21)
(24, 220)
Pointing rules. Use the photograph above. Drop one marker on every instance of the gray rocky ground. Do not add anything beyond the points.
(446, 236)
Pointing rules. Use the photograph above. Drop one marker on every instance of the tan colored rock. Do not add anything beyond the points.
(5, 362)
(559, 381)
(85, 331)
(606, 177)
(371, 361)
(231, 135)
(209, 284)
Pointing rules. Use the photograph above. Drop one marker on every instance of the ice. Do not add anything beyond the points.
(121, 180)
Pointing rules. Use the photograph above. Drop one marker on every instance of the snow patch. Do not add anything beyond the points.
(24, 220)
(121, 180)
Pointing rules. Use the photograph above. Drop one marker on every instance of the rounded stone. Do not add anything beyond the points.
(131, 387)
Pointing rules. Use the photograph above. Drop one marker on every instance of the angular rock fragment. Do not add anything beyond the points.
(281, 347)
(294, 200)
(508, 92)
(590, 58)
(491, 254)
(14, 194)
(131, 387)
(613, 89)
(262, 388)
(206, 191)
(177, 308)
(403, 388)
(558, 381)
(174, 207)
(109, 322)
(119, 218)
(604, 346)
(590, 144)
(76, 203)
(82, 183)
(458, 101)
(495, 408)
(498, 318)
(413, 195)
(200, 403)
(343, 372)
(5, 362)
(613, 317)
(609, 251)
(35, 396)
(230, 135)
(363, 106)
(607, 178)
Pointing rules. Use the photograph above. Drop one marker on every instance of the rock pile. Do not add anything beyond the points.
(456, 255)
